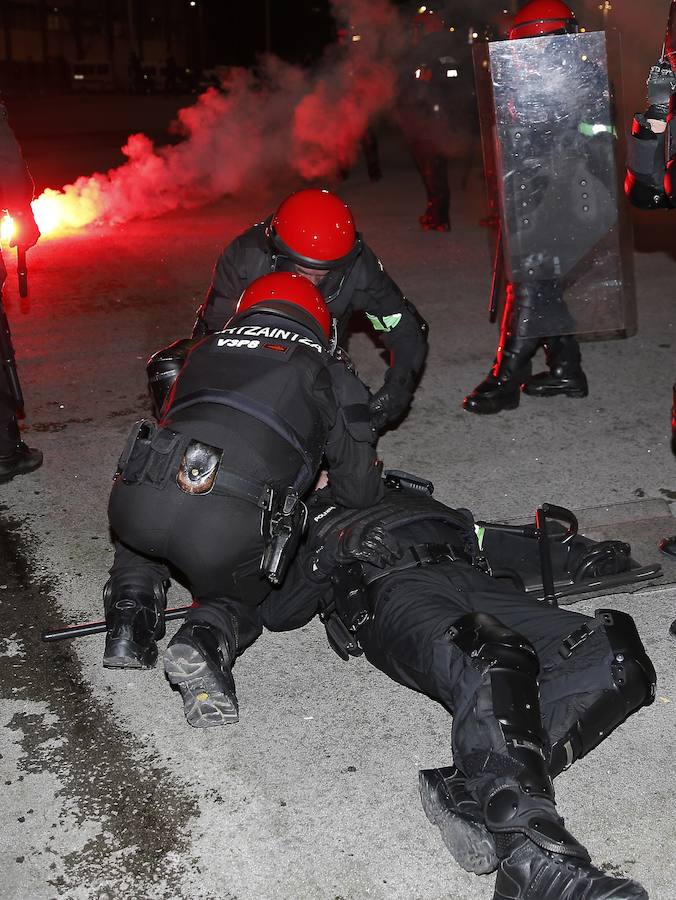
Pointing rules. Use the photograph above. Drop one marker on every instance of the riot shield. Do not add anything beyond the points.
(550, 135)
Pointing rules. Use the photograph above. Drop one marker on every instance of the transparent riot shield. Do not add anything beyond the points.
(550, 138)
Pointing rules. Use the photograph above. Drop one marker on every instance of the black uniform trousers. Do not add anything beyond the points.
(408, 639)
(9, 428)
(210, 542)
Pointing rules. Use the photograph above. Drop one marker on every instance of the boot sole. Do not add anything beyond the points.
(468, 842)
(121, 653)
(479, 411)
(556, 392)
(205, 701)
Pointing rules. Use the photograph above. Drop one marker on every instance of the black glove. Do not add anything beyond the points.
(368, 543)
(390, 402)
(661, 85)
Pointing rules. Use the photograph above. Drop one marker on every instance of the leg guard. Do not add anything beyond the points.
(134, 621)
(519, 797)
(634, 681)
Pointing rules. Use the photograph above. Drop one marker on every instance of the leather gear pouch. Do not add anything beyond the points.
(198, 468)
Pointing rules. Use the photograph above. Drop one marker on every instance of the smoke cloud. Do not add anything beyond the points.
(280, 120)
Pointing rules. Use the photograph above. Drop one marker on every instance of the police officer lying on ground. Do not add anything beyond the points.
(313, 233)
(531, 687)
(219, 482)
(16, 193)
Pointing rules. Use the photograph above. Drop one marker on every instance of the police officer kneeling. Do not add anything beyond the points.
(215, 489)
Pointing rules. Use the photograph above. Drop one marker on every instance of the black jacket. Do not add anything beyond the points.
(364, 285)
(269, 394)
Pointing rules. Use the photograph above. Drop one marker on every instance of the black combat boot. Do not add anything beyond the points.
(198, 661)
(501, 389)
(21, 460)
(134, 623)
(449, 805)
(565, 375)
(529, 872)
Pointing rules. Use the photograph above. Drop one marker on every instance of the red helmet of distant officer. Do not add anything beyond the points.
(290, 296)
(315, 229)
(543, 17)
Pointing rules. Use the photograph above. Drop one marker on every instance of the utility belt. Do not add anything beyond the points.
(347, 607)
(157, 456)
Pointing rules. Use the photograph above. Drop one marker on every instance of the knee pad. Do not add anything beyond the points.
(633, 678)
(632, 670)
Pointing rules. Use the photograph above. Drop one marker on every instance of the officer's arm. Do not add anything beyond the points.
(644, 183)
(355, 472)
(228, 282)
(403, 331)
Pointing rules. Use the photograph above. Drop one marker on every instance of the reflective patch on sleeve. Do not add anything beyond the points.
(480, 532)
(386, 323)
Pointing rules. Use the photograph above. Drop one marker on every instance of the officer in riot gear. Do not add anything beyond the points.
(16, 193)
(559, 213)
(531, 687)
(215, 490)
(432, 106)
(651, 168)
(313, 233)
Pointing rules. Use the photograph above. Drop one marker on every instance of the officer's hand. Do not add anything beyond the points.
(661, 85)
(368, 543)
(26, 231)
(388, 403)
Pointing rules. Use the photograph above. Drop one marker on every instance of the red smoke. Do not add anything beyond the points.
(283, 120)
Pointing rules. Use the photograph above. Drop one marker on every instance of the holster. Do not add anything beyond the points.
(345, 609)
(283, 523)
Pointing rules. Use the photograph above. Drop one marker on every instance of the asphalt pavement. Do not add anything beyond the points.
(107, 792)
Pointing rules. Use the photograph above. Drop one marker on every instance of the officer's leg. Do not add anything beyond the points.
(562, 352)
(16, 458)
(501, 389)
(433, 168)
(134, 600)
(407, 640)
(500, 743)
(219, 533)
(600, 675)
(369, 146)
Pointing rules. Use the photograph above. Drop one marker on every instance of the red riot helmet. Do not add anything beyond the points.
(543, 17)
(314, 228)
(290, 296)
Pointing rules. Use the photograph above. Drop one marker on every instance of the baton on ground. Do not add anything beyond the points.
(22, 271)
(85, 628)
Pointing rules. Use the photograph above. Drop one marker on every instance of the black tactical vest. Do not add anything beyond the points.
(266, 368)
